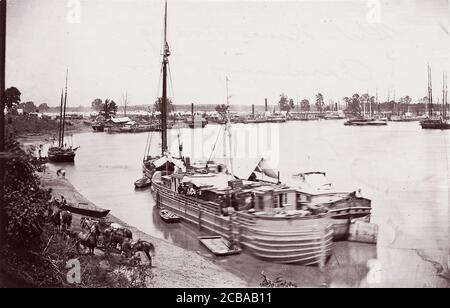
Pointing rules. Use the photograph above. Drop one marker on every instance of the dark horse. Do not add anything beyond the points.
(62, 220)
(65, 220)
(88, 239)
(113, 237)
(145, 247)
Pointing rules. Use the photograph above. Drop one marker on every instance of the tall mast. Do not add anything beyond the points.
(166, 54)
(60, 134)
(227, 131)
(444, 95)
(376, 100)
(430, 93)
(64, 111)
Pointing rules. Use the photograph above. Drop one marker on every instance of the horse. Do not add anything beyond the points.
(88, 239)
(145, 247)
(87, 223)
(65, 220)
(124, 232)
(56, 219)
(112, 238)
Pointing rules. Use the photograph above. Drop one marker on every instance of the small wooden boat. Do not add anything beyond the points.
(86, 210)
(168, 216)
(142, 183)
(219, 246)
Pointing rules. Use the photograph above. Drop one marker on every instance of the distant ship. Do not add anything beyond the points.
(434, 122)
(62, 153)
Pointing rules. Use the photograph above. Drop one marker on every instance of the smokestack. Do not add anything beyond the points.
(253, 110)
(192, 109)
(265, 102)
(336, 107)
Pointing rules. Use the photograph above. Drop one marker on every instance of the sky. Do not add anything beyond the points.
(265, 48)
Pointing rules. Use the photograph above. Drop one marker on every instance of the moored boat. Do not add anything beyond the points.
(219, 246)
(142, 182)
(169, 216)
(434, 122)
(62, 153)
(86, 210)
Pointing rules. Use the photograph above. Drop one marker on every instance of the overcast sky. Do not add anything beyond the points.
(264, 47)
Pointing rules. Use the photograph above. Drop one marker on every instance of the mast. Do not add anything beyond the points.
(60, 134)
(227, 130)
(444, 95)
(64, 111)
(430, 93)
(166, 54)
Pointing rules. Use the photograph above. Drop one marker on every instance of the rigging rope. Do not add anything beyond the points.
(214, 147)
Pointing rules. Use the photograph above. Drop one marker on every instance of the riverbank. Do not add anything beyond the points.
(172, 266)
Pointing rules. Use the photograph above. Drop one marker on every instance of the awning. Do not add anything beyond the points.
(243, 169)
(164, 159)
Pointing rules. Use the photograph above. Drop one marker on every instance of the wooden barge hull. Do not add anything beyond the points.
(61, 157)
(300, 240)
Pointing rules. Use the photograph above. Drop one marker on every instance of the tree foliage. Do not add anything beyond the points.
(25, 201)
(158, 105)
(222, 109)
(43, 107)
(97, 104)
(285, 103)
(109, 108)
(12, 97)
(319, 102)
(304, 105)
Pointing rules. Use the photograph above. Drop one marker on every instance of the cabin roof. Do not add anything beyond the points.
(120, 120)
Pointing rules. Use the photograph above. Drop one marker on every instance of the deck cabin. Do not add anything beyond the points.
(223, 191)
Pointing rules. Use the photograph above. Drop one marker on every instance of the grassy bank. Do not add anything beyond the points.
(20, 125)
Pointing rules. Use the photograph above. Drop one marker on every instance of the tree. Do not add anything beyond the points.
(43, 107)
(353, 104)
(304, 105)
(97, 105)
(158, 105)
(346, 101)
(12, 97)
(109, 108)
(319, 102)
(221, 109)
(27, 107)
(285, 104)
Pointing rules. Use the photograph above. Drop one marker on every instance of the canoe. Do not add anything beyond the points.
(168, 216)
(218, 245)
(85, 210)
(142, 183)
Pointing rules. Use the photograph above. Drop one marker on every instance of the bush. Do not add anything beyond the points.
(25, 201)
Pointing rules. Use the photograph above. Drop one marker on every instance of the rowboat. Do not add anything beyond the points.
(85, 210)
(219, 246)
(168, 216)
(142, 183)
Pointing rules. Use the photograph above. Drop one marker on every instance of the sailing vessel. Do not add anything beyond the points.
(62, 152)
(260, 216)
(434, 122)
(163, 162)
(367, 119)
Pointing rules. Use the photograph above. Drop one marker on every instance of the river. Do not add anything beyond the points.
(402, 168)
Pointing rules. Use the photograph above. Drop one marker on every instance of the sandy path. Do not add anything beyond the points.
(173, 266)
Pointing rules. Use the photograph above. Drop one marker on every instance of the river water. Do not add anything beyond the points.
(402, 168)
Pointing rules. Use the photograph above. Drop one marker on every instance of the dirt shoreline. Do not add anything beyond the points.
(174, 267)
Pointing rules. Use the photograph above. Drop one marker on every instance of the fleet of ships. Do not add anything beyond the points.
(287, 220)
